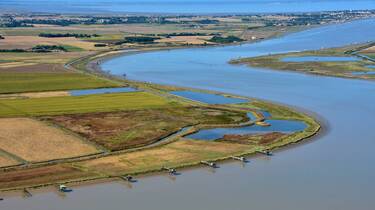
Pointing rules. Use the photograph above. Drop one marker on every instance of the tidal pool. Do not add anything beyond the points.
(208, 98)
(283, 126)
(319, 59)
(101, 91)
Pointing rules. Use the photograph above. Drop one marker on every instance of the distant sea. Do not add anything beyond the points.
(183, 6)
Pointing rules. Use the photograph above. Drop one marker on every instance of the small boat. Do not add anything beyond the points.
(64, 188)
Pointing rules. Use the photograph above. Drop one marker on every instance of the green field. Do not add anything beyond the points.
(82, 104)
(33, 82)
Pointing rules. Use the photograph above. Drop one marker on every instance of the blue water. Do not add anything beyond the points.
(371, 66)
(319, 59)
(208, 98)
(251, 116)
(101, 91)
(284, 126)
(186, 6)
(266, 114)
(364, 73)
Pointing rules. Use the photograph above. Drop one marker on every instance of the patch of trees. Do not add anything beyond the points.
(48, 48)
(187, 34)
(100, 45)
(38, 49)
(207, 21)
(50, 35)
(12, 50)
(15, 24)
(59, 22)
(138, 40)
(225, 40)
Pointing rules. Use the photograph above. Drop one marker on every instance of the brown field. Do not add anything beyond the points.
(35, 95)
(124, 130)
(369, 50)
(26, 42)
(48, 174)
(253, 139)
(40, 58)
(6, 161)
(186, 39)
(21, 67)
(35, 141)
(174, 154)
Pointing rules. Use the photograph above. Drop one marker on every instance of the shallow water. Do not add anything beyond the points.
(364, 73)
(186, 6)
(334, 172)
(283, 126)
(208, 98)
(319, 59)
(101, 91)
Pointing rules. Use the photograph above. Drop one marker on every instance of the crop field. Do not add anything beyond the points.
(35, 95)
(6, 161)
(186, 39)
(33, 81)
(175, 154)
(27, 42)
(35, 141)
(124, 130)
(40, 58)
(48, 174)
(82, 104)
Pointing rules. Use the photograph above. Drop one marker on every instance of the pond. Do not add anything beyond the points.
(101, 91)
(208, 98)
(283, 126)
(319, 59)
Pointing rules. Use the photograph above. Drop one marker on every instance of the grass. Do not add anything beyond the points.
(82, 104)
(129, 129)
(71, 48)
(176, 154)
(339, 69)
(32, 82)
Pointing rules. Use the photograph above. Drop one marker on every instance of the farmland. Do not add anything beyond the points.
(33, 82)
(176, 154)
(28, 139)
(81, 104)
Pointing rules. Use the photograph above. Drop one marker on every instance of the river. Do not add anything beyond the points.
(335, 171)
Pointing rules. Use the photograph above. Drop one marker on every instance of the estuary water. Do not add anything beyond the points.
(334, 172)
(186, 6)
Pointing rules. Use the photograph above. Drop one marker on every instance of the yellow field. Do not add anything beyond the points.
(35, 58)
(5, 161)
(186, 39)
(26, 42)
(177, 153)
(369, 50)
(35, 141)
